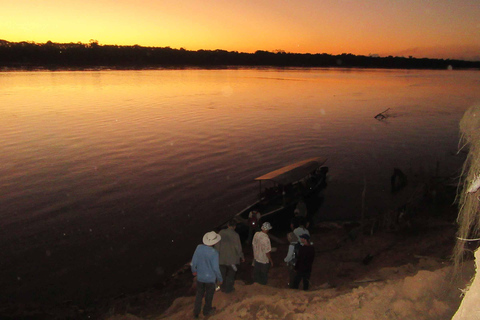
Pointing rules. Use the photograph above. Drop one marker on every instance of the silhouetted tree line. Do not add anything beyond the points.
(30, 55)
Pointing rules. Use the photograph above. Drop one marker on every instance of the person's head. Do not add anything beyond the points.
(266, 226)
(291, 237)
(232, 224)
(305, 239)
(294, 222)
(211, 238)
(302, 222)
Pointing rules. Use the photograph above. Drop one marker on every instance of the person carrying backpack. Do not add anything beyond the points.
(291, 257)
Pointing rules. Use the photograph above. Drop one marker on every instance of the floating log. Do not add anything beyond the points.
(382, 115)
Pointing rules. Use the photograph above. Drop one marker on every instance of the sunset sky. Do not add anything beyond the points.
(419, 28)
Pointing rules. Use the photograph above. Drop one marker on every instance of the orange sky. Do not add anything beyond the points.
(421, 28)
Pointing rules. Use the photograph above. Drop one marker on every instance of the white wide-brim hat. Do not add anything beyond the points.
(211, 238)
(266, 226)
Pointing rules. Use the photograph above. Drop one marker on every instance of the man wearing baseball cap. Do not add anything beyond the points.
(206, 268)
(261, 254)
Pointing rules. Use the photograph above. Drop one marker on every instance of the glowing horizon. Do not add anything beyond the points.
(444, 29)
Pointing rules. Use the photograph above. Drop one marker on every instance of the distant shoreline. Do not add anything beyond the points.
(179, 68)
(19, 56)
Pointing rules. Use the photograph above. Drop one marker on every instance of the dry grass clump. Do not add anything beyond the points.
(468, 235)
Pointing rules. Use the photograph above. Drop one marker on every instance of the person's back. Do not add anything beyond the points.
(230, 254)
(261, 254)
(306, 255)
(203, 261)
(261, 246)
(301, 231)
(302, 228)
(206, 269)
(230, 248)
(303, 266)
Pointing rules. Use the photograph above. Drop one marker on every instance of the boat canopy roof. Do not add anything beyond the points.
(293, 172)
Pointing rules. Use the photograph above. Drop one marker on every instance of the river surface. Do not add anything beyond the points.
(109, 179)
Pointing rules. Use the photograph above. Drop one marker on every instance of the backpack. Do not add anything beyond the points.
(296, 249)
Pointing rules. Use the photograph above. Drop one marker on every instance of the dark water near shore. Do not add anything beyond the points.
(108, 179)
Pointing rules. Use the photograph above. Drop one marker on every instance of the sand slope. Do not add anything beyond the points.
(426, 295)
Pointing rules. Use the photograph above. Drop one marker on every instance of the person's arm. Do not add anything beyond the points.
(238, 248)
(193, 264)
(268, 249)
(216, 269)
(269, 258)
(289, 256)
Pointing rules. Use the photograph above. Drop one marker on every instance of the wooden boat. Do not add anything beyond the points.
(286, 187)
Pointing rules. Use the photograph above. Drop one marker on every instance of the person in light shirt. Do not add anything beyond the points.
(261, 254)
(302, 228)
(291, 257)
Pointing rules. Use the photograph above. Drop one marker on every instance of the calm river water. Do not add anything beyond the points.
(109, 179)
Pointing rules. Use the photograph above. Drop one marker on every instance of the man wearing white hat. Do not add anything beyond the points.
(206, 268)
(261, 254)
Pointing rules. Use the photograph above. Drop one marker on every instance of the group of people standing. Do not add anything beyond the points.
(214, 263)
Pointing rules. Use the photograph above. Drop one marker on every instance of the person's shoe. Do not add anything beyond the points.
(212, 311)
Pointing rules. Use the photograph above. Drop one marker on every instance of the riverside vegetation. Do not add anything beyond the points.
(52, 56)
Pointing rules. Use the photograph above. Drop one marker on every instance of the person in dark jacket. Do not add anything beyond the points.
(230, 254)
(303, 267)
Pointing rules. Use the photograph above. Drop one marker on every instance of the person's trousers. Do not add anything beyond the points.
(291, 275)
(302, 276)
(228, 275)
(260, 272)
(207, 290)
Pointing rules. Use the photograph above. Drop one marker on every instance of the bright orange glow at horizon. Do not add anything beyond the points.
(435, 29)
